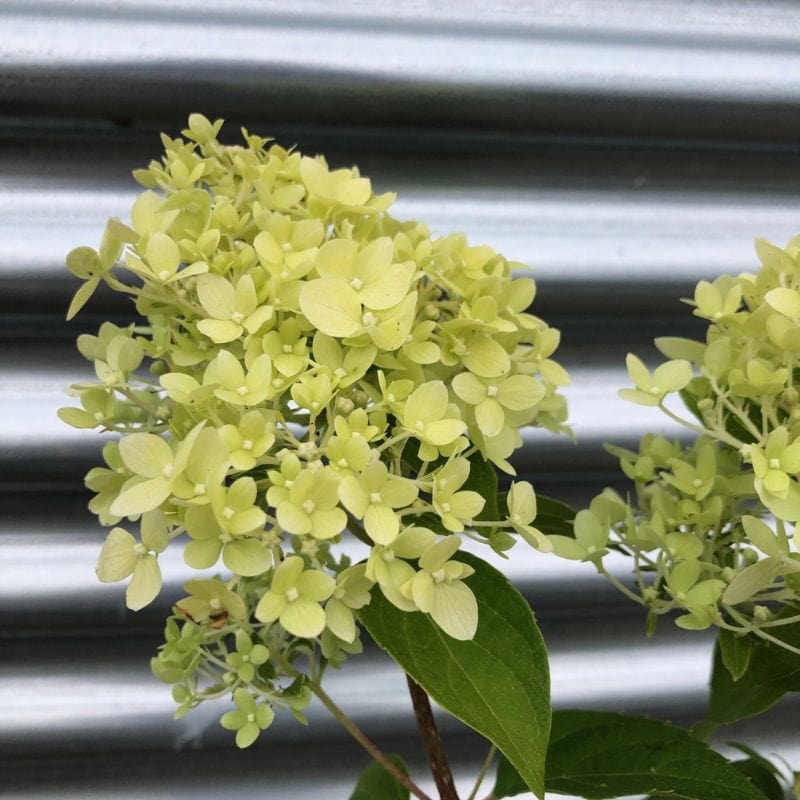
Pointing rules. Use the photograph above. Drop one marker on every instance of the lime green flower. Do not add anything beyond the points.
(155, 467)
(249, 719)
(455, 508)
(244, 554)
(211, 602)
(492, 398)
(348, 454)
(313, 392)
(521, 502)
(122, 556)
(650, 390)
(386, 564)
(718, 300)
(107, 484)
(100, 406)
(92, 266)
(334, 308)
(698, 597)
(377, 282)
(249, 440)
(357, 424)
(205, 468)
(122, 356)
(235, 507)
(286, 348)
(694, 480)
(161, 260)
(425, 416)
(347, 365)
(247, 657)
(351, 593)
(234, 386)
(591, 537)
(231, 310)
(438, 589)
(343, 186)
(373, 496)
(311, 505)
(776, 462)
(294, 598)
(282, 480)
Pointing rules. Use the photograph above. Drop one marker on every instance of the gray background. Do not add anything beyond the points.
(624, 149)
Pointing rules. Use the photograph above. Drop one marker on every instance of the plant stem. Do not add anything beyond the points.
(366, 743)
(482, 774)
(432, 741)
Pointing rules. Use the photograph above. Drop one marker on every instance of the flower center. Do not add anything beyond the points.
(774, 463)
(491, 391)
(308, 506)
(247, 444)
(292, 594)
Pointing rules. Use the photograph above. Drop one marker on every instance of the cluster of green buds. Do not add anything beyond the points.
(314, 366)
(714, 532)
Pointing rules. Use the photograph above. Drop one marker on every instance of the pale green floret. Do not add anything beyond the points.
(521, 502)
(122, 556)
(289, 378)
(249, 719)
(438, 589)
(351, 593)
(373, 496)
(311, 505)
(294, 598)
(455, 508)
(424, 416)
(651, 389)
(231, 310)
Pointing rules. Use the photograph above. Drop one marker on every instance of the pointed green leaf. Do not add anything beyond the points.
(730, 702)
(735, 652)
(375, 783)
(498, 682)
(596, 755)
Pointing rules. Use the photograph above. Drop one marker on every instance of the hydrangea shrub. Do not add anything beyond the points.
(303, 370)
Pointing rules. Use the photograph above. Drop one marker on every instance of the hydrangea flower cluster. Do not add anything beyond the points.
(316, 366)
(715, 533)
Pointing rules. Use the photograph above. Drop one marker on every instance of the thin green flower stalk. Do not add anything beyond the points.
(714, 533)
(304, 365)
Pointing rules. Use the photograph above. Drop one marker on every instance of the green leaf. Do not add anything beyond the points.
(595, 754)
(483, 480)
(762, 777)
(731, 701)
(375, 783)
(497, 683)
(735, 652)
(772, 665)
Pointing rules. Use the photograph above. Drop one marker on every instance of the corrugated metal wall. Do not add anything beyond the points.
(625, 148)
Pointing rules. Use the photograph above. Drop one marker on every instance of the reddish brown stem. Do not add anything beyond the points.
(432, 741)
